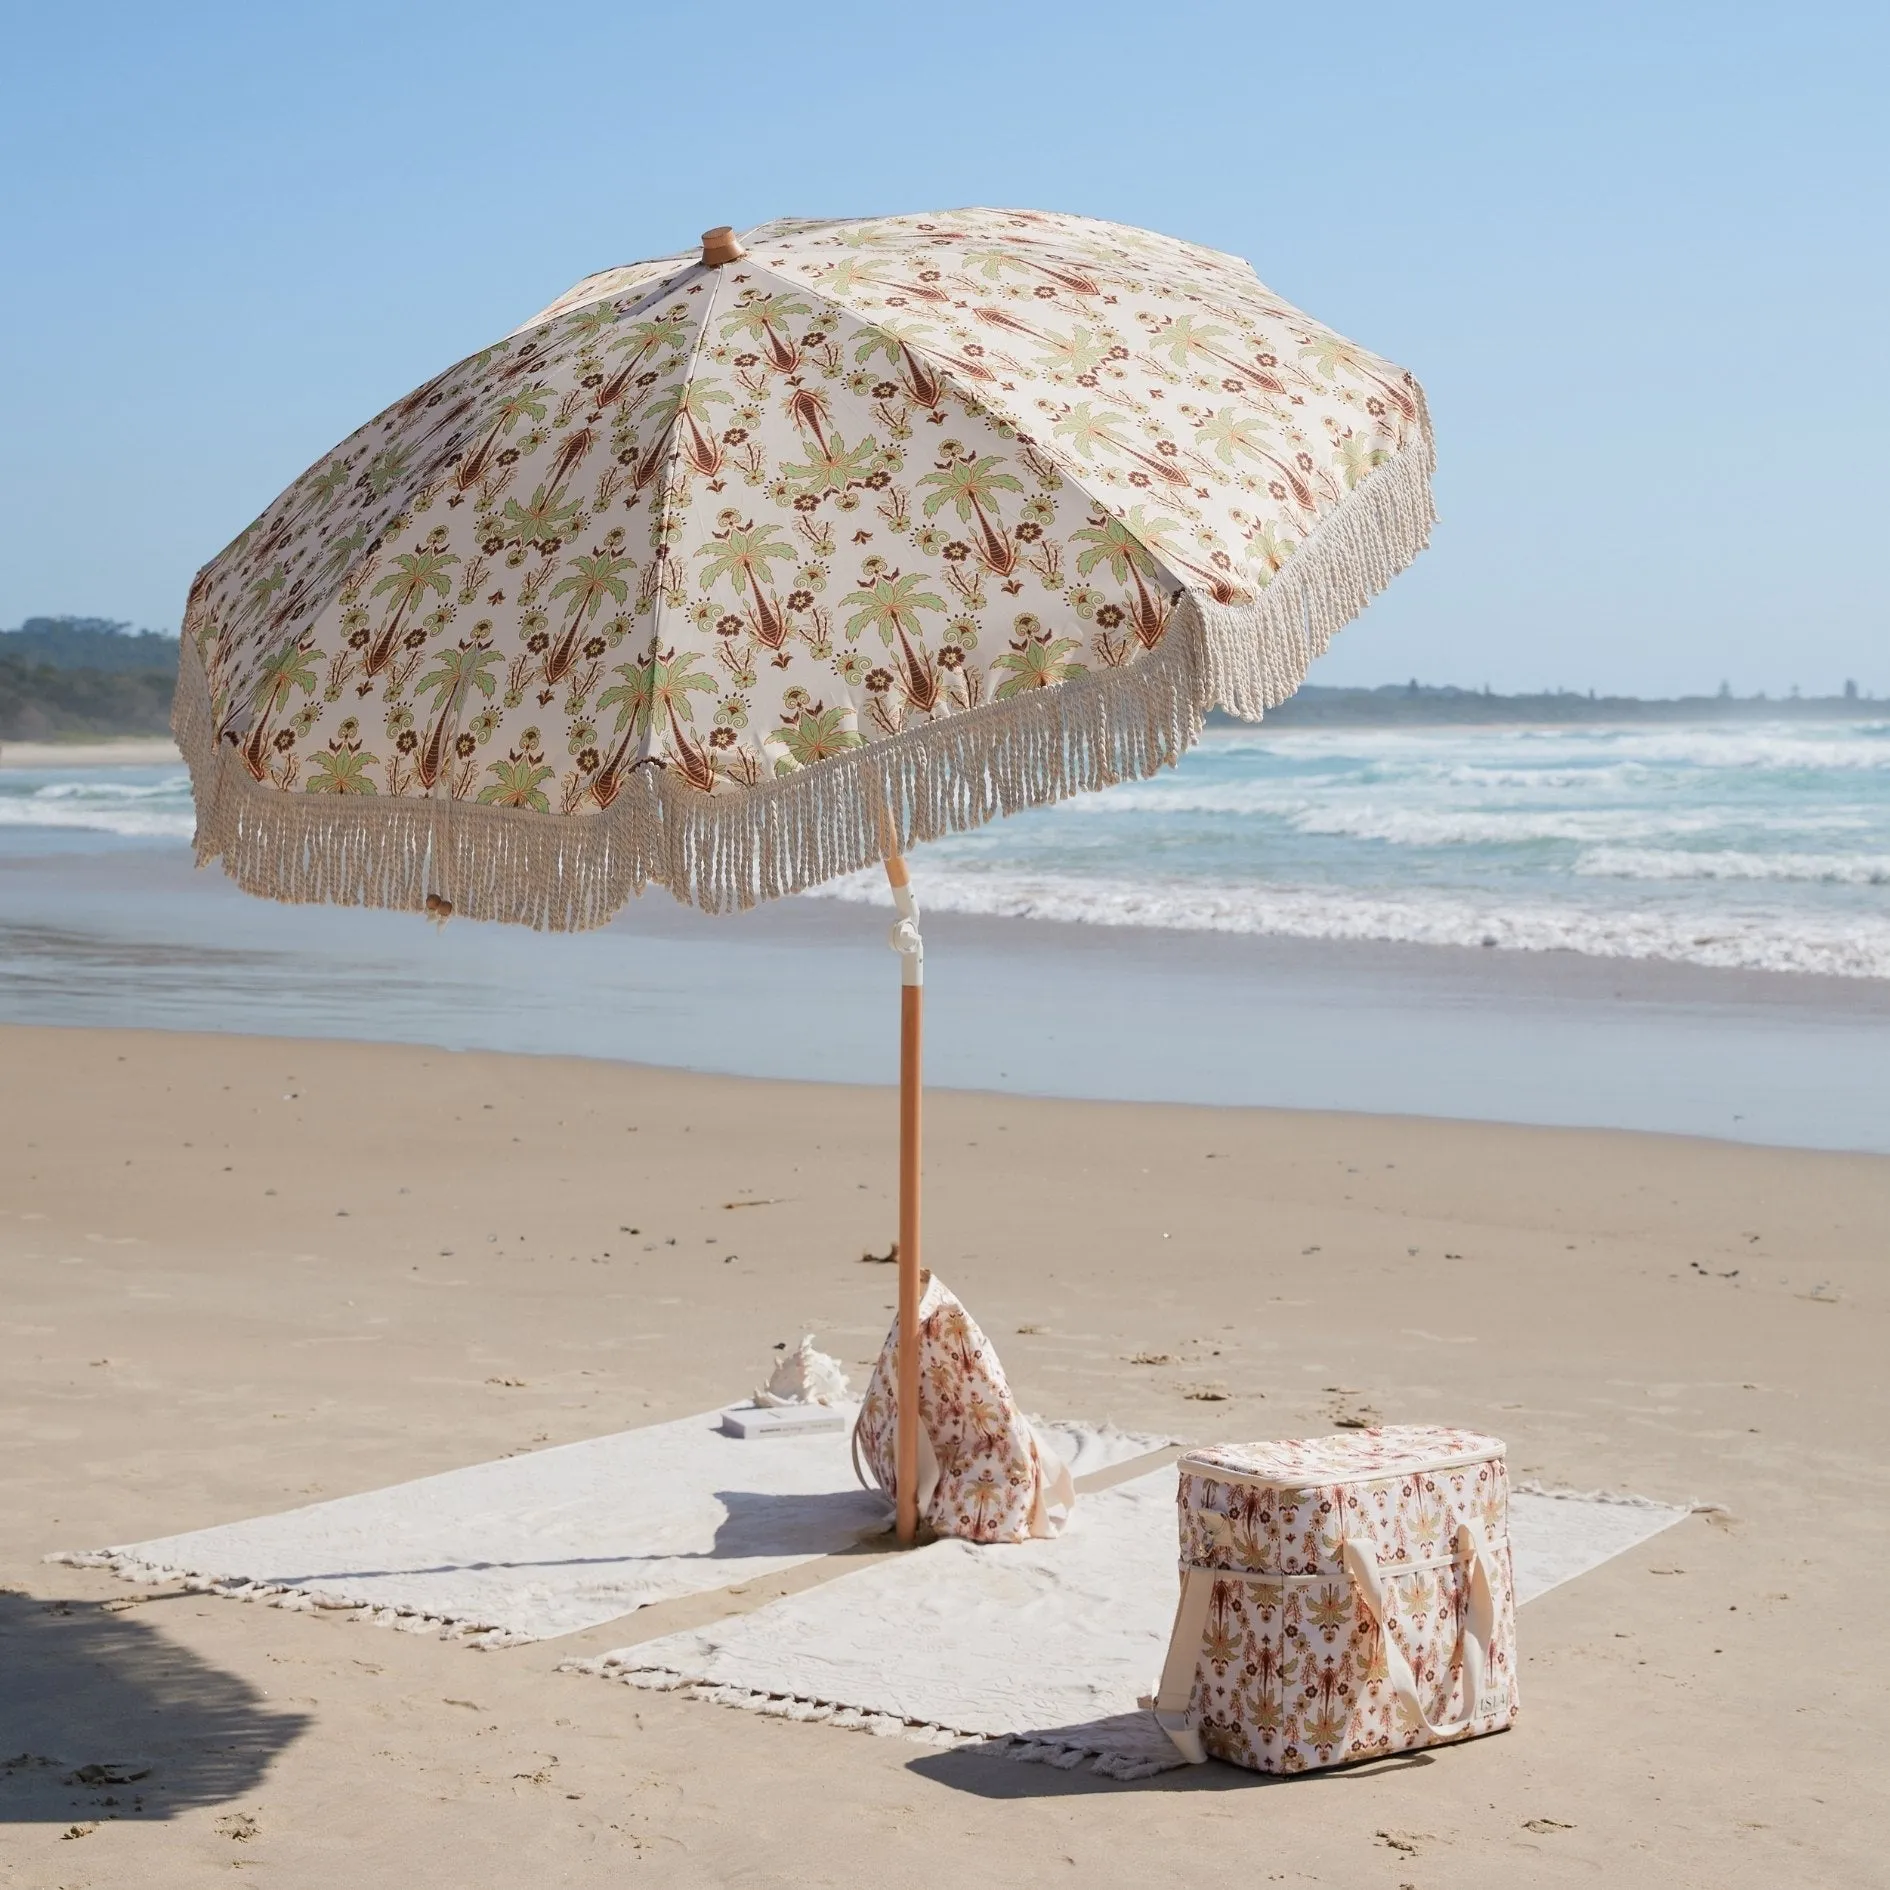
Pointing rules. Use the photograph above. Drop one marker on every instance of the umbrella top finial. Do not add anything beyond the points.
(719, 246)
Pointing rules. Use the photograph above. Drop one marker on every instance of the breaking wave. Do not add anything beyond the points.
(1761, 847)
(1835, 946)
(133, 809)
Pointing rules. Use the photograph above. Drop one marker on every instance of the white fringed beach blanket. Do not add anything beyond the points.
(555, 1541)
(1045, 1645)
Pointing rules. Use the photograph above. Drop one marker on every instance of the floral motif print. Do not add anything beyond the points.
(993, 1483)
(1292, 1671)
(731, 524)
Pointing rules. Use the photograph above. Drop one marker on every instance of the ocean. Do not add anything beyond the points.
(1752, 848)
(1749, 847)
(1676, 928)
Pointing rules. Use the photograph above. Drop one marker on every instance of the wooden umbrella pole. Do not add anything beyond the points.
(906, 941)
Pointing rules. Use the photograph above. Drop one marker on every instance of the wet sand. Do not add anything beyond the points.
(239, 1274)
(98, 932)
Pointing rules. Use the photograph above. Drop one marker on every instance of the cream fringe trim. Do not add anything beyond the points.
(293, 1600)
(1065, 1756)
(728, 851)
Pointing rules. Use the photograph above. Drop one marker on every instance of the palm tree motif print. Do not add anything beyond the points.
(520, 782)
(734, 527)
(1090, 432)
(542, 523)
(457, 675)
(741, 554)
(342, 771)
(415, 576)
(1183, 337)
(1037, 660)
(1232, 434)
(521, 403)
(289, 670)
(970, 485)
(1168, 540)
(1109, 544)
(995, 264)
(1357, 456)
(593, 582)
(654, 693)
(768, 321)
(687, 411)
(902, 346)
(816, 734)
(890, 604)
(1333, 355)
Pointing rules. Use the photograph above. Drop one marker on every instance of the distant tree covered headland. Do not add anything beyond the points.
(64, 678)
(73, 677)
(1426, 704)
(92, 643)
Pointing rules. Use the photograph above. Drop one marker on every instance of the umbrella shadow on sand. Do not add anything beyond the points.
(103, 1715)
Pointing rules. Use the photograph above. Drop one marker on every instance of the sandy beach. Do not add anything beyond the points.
(242, 1274)
(122, 751)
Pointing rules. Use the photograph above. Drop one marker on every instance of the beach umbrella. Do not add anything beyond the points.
(740, 569)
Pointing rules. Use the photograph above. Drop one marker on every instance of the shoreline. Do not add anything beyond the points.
(804, 988)
(825, 915)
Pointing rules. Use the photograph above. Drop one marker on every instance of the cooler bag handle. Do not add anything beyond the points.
(1174, 1696)
(1479, 1627)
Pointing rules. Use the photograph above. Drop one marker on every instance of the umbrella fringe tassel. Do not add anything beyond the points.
(724, 852)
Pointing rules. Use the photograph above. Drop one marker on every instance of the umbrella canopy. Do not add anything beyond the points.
(732, 572)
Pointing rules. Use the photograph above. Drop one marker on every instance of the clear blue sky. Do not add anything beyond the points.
(1636, 253)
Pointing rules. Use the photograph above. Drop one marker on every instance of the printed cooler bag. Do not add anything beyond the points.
(983, 1475)
(1341, 1598)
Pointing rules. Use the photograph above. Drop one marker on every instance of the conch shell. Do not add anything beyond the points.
(805, 1375)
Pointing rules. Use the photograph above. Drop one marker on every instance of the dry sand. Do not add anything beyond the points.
(237, 1275)
(118, 751)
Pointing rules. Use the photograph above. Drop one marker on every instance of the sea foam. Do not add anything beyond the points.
(135, 804)
(1775, 940)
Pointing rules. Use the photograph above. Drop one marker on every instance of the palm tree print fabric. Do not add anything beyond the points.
(731, 525)
(1291, 1673)
(992, 1482)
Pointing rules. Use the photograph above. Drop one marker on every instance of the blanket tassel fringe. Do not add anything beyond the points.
(292, 1600)
(1018, 1746)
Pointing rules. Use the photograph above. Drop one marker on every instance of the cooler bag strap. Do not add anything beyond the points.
(1479, 1626)
(1174, 1697)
